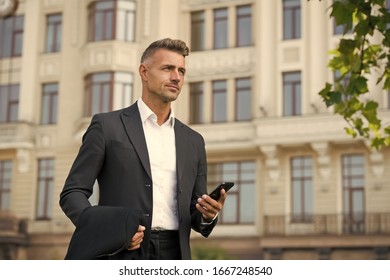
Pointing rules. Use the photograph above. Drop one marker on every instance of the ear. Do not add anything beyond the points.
(143, 72)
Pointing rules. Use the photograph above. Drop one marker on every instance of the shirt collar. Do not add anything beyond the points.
(146, 113)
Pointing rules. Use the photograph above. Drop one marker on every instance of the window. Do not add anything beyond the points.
(5, 184)
(53, 33)
(9, 103)
(112, 20)
(45, 188)
(49, 104)
(353, 193)
(291, 19)
(197, 31)
(243, 99)
(11, 34)
(244, 26)
(219, 101)
(292, 94)
(302, 189)
(107, 91)
(239, 207)
(196, 103)
(220, 28)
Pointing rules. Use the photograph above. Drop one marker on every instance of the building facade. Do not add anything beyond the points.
(304, 188)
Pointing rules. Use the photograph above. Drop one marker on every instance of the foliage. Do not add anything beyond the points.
(360, 56)
(209, 253)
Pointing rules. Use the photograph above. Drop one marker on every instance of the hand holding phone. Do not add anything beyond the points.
(216, 193)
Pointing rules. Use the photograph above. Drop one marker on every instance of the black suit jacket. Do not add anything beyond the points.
(114, 151)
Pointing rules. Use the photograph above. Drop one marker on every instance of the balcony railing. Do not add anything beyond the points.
(16, 135)
(327, 224)
(10, 225)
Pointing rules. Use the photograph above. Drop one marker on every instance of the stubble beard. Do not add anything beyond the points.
(168, 96)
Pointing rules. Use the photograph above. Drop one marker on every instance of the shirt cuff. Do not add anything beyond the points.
(209, 222)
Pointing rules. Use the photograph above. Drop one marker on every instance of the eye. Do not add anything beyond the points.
(182, 71)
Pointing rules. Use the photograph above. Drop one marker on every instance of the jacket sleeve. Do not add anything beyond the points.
(200, 189)
(78, 186)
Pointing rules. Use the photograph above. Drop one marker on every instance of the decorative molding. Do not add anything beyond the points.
(291, 55)
(50, 3)
(109, 56)
(195, 3)
(323, 160)
(50, 66)
(44, 140)
(377, 161)
(205, 63)
(272, 164)
(23, 157)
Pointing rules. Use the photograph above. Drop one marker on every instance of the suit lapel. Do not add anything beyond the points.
(181, 148)
(133, 125)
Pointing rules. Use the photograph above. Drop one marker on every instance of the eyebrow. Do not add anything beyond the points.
(173, 66)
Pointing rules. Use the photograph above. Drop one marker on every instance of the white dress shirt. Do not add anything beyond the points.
(160, 141)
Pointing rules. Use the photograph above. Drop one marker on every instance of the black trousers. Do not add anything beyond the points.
(164, 245)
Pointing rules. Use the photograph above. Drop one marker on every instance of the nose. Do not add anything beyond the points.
(175, 76)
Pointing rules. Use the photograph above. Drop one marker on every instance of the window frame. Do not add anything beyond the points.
(217, 20)
(219, 91)
(196, 108)
(53, 43)
(5, 184)
(198, 27)
(243, 90)
(114, 93)
(45, 188)
(52, 110)
(240, 17)
(303, 183)
(12, 103)
(349, 178)
(236, 193)
(295, 23)
(111, 27)
(296, 95)
(15, 34)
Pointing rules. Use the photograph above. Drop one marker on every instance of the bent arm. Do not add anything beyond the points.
(78, 186)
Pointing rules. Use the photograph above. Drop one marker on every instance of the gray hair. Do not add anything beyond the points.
(177, 46)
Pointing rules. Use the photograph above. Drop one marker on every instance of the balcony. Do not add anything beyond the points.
(16, 135)
(327, 224)
(13, 234)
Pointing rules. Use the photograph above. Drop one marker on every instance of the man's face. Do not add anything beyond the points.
(163, 74)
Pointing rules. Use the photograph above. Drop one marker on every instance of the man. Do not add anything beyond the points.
(151, 170)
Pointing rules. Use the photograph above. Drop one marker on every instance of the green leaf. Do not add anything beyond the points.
(341, 13)
(362, 28)
(371, 105)
(386, 85)
(351, 131)
(360, 84)
(347, 46)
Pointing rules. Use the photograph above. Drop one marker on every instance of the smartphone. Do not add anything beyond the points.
(216, 193)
